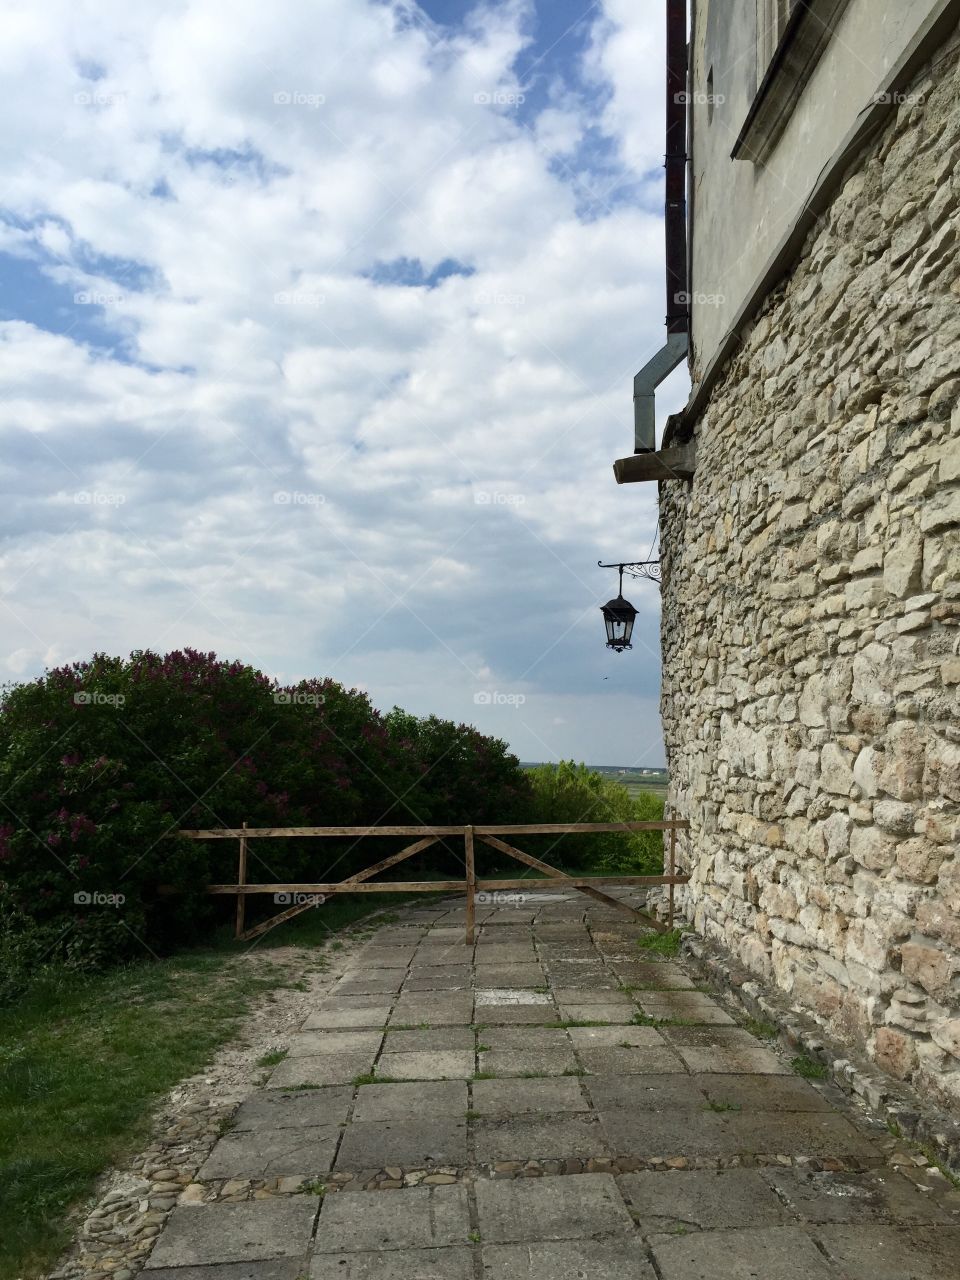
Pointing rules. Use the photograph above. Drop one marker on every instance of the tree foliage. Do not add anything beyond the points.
(103, 762)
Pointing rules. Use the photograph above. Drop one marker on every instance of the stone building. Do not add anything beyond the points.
(810, 512)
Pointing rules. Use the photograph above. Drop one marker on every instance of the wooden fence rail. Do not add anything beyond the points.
(314, 893)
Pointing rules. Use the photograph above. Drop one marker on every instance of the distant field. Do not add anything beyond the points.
(636, 781)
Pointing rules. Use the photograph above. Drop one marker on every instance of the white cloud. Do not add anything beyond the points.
(263, 359)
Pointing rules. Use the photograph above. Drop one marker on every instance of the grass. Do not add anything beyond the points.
(809, 1069)
(85, 1058)
(82, 1061)
(272, 1059)
(723, 1106)
(661, 944)
(763, 1030)
(647, 1020)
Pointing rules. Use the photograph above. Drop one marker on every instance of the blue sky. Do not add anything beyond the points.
(319, 326)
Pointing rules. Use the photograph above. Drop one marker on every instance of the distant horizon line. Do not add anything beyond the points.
(653, 768)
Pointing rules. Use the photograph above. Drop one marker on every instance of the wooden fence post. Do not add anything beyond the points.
(673, 872)
(471, 883)
(241, 880)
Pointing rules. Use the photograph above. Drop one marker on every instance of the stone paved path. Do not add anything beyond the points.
(554, 1103)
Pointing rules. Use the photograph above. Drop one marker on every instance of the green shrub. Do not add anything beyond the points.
(569, 792)
(103, 762)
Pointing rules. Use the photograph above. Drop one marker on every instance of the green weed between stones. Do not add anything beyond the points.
(809, 1069)
(272, 1059)
(764, 1030)
(661, 944)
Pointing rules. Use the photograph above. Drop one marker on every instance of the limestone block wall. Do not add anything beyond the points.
(811, 602)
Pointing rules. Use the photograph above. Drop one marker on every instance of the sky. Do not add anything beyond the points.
(318, 324)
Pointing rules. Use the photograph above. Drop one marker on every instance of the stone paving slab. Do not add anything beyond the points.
(444, 1064)
(455, 1263)
(539, 1137)
(714, 1059)
(773, 1253)
(684, 1005)
(320, 1069)
(428, 1041)
(310, 1043)
(893, 1253)
(276, 1153)
(514, 1097)
(696, 1200)
(667, 1133)
(596, 995)
(277, 1269)
(382, 958)
(401, 1101)
(667, 1091)
(440, 978)
(415, 1218)
(436, 1008)
(216, 1233)
(385, 983)
(526, 1038)
(763, 1092)
(345, 1019)
(616, 1014)
(516, 1015)
(416, 1143)
(621, 1258)
(875, 1196)
(521, 1062)
(582, 1205)
(809, 1133)
(272, 1109)
(509, 975)
(616, 1037)
(606, 1061)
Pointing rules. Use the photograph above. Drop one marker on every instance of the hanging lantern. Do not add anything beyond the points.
(618, 618)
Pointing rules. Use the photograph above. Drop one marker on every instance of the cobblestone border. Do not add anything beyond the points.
(891, 1101)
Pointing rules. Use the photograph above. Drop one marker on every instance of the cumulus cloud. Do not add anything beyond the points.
(323, 357)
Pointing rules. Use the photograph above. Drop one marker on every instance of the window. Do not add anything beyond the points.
(772, 18)
(791, 36)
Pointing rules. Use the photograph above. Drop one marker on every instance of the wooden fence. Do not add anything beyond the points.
(362, 882)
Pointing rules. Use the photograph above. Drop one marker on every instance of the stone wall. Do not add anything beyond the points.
(810, 607)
